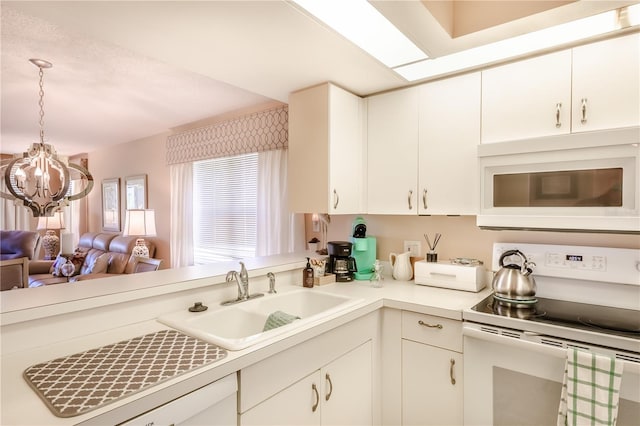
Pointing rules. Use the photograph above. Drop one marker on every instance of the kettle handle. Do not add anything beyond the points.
(392, 258)
(511, 253)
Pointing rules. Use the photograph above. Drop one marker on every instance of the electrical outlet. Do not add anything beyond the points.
(414, 247)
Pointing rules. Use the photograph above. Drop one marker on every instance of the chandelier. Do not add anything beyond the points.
(38, 177)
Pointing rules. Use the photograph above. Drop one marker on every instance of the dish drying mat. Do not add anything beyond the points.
(82, 382)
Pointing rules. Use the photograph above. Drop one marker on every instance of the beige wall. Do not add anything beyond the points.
(460, 236)
(144, 156)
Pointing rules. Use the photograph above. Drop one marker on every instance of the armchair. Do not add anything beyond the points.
(14, 273)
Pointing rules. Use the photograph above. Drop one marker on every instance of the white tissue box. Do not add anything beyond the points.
(450, 275)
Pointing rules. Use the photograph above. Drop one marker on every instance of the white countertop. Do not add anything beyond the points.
(21, 405)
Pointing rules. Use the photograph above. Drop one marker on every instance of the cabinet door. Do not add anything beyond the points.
(308, 155)
(449, 136)
(347, 383)
(429, 396)
(326, 151)
(606, 84)
(299, 404)
(527, 99)
(392, 148)
(346, 152)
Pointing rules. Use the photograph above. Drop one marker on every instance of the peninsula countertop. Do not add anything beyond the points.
(21, 405)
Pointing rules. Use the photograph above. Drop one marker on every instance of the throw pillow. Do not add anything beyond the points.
(61, 259)
(100, 264)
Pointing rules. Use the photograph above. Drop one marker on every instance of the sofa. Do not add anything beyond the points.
(98, 255)
(17, 248)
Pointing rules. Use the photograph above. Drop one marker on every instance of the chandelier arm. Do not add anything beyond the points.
(86, 174)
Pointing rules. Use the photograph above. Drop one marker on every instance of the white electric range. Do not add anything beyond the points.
(587, 297)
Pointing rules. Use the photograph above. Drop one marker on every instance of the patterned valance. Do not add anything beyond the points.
(261, 131)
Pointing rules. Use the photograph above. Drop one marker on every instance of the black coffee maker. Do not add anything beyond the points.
(340, 261)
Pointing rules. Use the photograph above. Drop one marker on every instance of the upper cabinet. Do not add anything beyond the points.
(606, 84)
(447, 153)
(326, 151)
(591, 87)
(392, 148)
(527, 99)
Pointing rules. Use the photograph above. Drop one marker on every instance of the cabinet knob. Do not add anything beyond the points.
(424, 198)
(336, 199)
(583, 110)
(409, 199)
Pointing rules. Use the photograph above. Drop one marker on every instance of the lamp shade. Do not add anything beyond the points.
(139, 222)
(51, 222)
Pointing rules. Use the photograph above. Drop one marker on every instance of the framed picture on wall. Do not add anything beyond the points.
(111, 204)
(135, 192)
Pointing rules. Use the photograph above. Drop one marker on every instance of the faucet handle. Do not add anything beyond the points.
(272, 282)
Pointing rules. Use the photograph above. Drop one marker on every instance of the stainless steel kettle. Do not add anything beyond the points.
(513, 281)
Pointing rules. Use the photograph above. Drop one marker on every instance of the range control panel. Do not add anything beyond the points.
(576, 261)
(603, 264)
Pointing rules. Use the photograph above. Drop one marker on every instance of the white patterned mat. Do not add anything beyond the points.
(85, 381)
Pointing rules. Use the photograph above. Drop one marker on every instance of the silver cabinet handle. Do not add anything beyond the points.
(558, 108)
(336, 199)
(583, 110)
(328, 379)
(315, 390)
(424, 198)
(409, 199)
(438, 326)
(453, 380)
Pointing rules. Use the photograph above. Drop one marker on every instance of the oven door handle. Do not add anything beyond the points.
(629, 366)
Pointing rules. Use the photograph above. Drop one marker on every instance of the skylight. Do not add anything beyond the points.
(527, 43)
(362, 24)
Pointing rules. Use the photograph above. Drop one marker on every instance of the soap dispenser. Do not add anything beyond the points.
(307, 275)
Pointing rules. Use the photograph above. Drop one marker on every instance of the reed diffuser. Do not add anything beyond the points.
(432, 256)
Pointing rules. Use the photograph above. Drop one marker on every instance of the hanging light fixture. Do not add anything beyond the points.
(38, 177)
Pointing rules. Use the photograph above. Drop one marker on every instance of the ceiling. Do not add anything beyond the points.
(125, 70)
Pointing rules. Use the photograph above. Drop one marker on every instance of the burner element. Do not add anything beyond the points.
(611, 324)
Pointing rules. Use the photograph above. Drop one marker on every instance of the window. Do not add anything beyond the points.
(225, 208)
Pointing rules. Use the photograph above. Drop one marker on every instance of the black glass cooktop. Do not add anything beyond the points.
(604, 319)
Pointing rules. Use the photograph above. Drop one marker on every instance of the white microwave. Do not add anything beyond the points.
(585, 182)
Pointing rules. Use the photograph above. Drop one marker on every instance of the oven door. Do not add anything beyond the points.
(509, 381)
(563, 184)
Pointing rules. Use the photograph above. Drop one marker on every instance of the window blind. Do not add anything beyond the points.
(225, 208)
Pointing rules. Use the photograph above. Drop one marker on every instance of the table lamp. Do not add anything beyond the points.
(51, 241)
(140, 223)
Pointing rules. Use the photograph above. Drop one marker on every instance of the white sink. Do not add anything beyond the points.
(241, 325)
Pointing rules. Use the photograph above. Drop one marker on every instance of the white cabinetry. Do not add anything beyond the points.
(449, 135)
(326, 380)
(527, 99)
(337, 394)
(432, 382)
(606, 84)
(214, 404)
(326, 151)
(392, 147)
(590, 87)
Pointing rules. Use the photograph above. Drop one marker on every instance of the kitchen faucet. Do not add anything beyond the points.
(242, 281)
(272, 283)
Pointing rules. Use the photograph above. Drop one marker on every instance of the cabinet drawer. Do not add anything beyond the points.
(432, 330)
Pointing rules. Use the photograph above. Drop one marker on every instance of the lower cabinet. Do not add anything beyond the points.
(339, 393)
(432, 371)
(431, 385)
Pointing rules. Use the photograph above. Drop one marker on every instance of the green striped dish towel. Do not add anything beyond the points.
(278, 319)
(590, 389)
